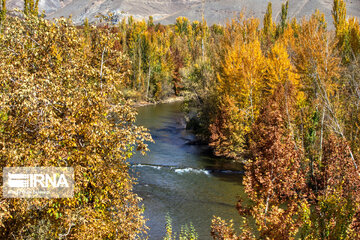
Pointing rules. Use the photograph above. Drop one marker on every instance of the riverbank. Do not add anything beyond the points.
(171, 99)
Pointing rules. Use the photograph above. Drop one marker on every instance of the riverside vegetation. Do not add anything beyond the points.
(284, 97)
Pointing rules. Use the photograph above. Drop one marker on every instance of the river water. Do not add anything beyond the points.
(181, 179)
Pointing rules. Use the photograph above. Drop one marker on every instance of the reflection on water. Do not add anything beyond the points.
(182, 179)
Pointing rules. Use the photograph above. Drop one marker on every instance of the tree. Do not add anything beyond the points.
(86, 26)
(269, 26)
(178, 61)
(240, 90)
(354, 32)
(2, 11)
(275, 176)
(150, 22)
(283, 18)
(61, 105)
(31, 7)
(339, 16)
(318, 64)
(335, 194)
(347, 31)
(182, 25)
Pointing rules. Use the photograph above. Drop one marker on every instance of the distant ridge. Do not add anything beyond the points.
(166, 11)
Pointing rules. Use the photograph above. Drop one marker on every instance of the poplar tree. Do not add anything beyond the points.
(86, 27)
(283, 21)
(31, 7)
(339, 15)
(2, 10)
(268, 22)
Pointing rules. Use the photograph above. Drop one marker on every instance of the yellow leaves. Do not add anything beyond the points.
(59, 116)
(280, 71)
(354, 32)
(56, 53)
(301, 100)
(288, 36)
(242, 70)
(339, 15)
(247, 74)
(182, 25)
(246, 80)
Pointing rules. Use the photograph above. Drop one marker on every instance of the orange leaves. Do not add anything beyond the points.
(221, 230)
(280, 104)
(334, 192)
(336, 170)
(275, 169)
(275, 175)
(246, 79)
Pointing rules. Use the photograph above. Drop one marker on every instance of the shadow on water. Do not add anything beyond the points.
(182, 179)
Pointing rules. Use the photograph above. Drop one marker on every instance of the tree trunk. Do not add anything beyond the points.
(148, 84)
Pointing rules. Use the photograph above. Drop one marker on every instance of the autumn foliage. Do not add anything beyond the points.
(288, 112)
(283, 99)
(61, 105)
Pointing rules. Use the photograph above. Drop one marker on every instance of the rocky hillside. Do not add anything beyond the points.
(166, 11)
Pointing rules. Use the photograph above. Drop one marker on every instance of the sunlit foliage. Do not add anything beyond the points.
(291, 113)
(61, 105)
(284, 99)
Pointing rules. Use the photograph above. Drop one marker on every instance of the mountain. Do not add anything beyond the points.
(166, 11)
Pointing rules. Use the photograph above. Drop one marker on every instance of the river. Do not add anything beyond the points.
(181, 179)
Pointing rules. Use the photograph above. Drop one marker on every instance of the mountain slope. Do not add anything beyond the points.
(166, 11)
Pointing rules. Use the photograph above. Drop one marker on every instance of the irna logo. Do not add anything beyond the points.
(38, 182)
